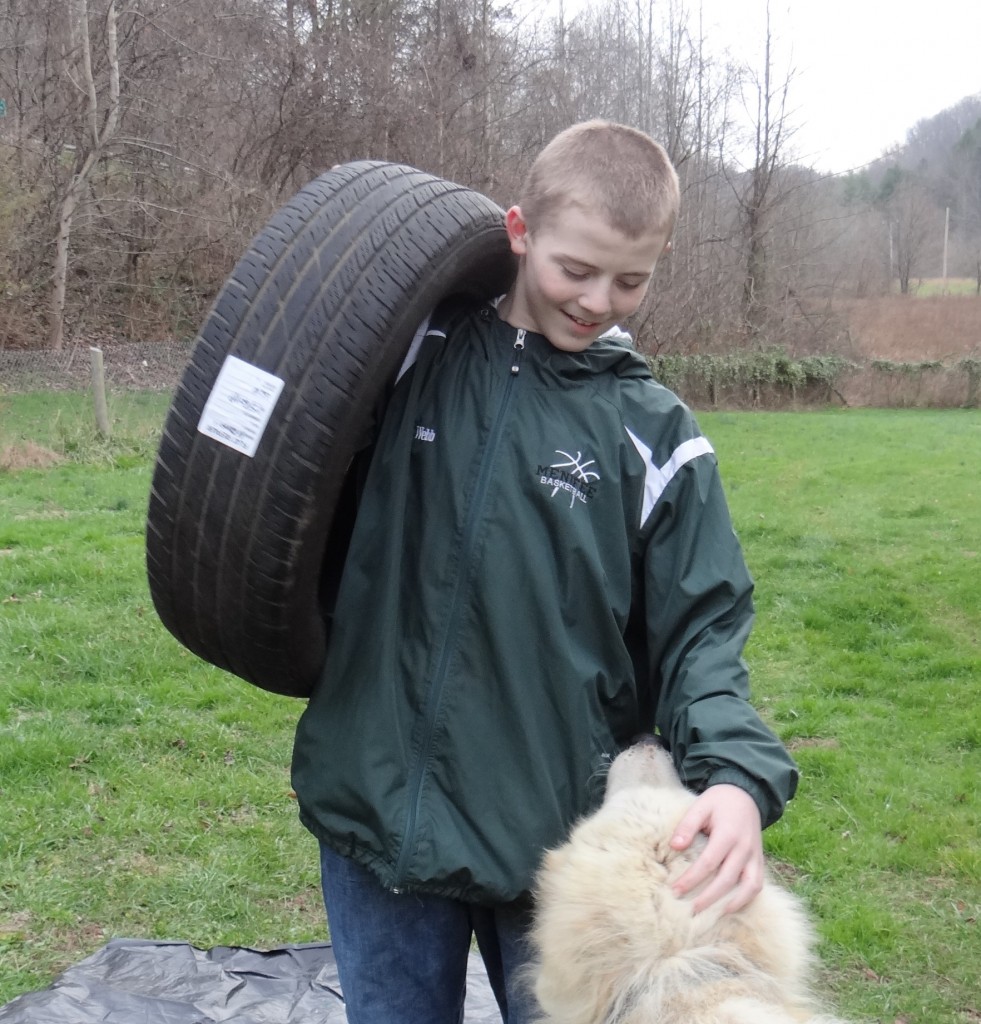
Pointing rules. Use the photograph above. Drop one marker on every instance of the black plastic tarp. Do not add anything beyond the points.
(134, 981)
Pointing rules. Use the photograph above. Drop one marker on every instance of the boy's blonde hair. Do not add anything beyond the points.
(612, 169)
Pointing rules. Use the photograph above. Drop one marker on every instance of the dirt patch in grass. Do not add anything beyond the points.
(306, 905)
(28, 455)
(789, 874)
(14, 925)
(800, 742)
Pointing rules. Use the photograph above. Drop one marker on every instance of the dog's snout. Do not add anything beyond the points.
(648, 739)
(646, 762)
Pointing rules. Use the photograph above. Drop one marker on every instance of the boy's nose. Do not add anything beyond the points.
(596, 300)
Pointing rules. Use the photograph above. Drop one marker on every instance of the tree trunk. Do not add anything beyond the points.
(56, 330)
(97, 142)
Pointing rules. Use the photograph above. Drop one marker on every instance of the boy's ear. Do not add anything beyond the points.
(517, 230)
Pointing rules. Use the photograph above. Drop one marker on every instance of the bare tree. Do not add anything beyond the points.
(759, 194)
(693, 93)
(965, 174)
(914, 221)
(146, 142)
(100, 119)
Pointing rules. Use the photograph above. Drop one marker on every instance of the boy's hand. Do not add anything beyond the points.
(733, 854)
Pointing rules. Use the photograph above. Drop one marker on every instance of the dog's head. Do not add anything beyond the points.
(613, 940)
(612, 878)
(629, 836)
(606, 910)
(644, 764)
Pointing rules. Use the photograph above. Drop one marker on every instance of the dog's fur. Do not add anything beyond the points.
(614, 945)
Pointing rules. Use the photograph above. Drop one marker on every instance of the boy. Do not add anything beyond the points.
(543, 566)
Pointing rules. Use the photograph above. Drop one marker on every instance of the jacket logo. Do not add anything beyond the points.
(425, 434)
(573, 477)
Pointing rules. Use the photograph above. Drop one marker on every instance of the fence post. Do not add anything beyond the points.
(99, 391)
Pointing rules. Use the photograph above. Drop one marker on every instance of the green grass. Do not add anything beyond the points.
(863, 530)
(144, 793)
(928, 286)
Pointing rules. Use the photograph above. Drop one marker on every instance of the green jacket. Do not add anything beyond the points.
(543, 566)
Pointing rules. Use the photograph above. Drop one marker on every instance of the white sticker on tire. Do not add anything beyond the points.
(239, 406)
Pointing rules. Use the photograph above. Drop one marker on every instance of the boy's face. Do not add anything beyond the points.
(577, 276)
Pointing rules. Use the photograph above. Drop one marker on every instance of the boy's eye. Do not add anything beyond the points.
(575, 275)
(631, 286)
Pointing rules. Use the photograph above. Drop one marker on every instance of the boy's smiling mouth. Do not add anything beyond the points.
(582, 323)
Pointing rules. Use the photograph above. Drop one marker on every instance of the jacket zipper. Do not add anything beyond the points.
(519, 348)
(439, 679)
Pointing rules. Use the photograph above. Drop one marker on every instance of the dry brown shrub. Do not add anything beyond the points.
(28, 455)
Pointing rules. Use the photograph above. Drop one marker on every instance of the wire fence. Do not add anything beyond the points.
(135, 366)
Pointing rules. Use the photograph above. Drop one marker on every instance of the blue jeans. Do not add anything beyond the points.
(402, 958)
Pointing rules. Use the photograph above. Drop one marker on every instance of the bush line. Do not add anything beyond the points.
(770, 376)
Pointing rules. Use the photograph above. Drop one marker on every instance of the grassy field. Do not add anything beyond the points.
(937, 286)
(146, 794)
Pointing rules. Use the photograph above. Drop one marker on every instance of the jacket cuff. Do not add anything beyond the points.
(731, 776)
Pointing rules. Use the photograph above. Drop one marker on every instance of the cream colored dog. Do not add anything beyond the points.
(614, 944)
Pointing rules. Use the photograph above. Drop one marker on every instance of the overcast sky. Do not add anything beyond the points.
(865, 71)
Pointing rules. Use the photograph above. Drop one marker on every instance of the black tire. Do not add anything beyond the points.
(326, 298)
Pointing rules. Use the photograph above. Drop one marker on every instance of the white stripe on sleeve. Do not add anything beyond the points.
(410, 357)
(658, 478)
